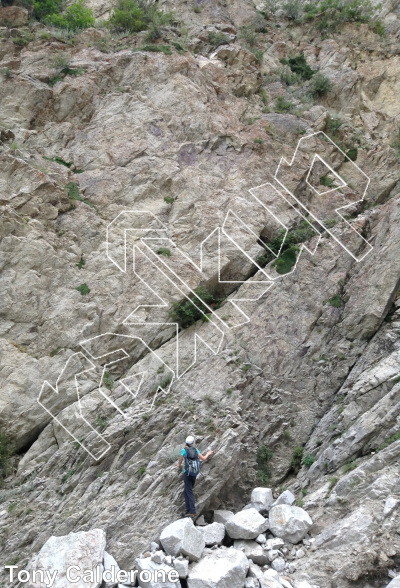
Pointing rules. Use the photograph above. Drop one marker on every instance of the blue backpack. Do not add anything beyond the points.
(192, 462)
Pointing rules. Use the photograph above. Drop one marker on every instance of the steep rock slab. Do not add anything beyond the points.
(291, 523)
(246, 524)
(84, 550)
(182, 538)
(225, 568)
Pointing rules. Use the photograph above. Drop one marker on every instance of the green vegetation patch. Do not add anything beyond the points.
(299, 66)
(76, 17)
(335, 301)
(264, 456)
(83, 289)
(297, 457)
(6, 452)
(329, 15)
(286, 248)
(133, 16)
(190, 310)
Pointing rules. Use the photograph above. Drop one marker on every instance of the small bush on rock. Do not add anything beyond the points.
(77, 17)
(264, 456)
(320, 85)
(299, 66)
(134, 16)
(190, 310)
(330, 14)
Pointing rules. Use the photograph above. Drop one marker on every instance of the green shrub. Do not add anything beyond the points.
(320, 85)
(108, 381)
(352, 153)
(197, 9)
(80, 263)
(133, 16)
(101, 422)
(216, 39)
(76, 17)
(83, 289)
(293, 10)
(286, 248)
(326, 181)
(42, 9)
(389, 441)
(6, 72)
(288, 77)
(6, 452)
(258, 54)
(396, 141)
(166, 49)
(264, 456)
(248, 34)
(332, 482)
(331, 14)
(351, 465)
(270, 7)
(379, 28)
(308, 460)
(283, 105)
(20, 41)
(299, 66)
(335, 301)
(185, 313)
(296, 461)
(169, 199)
(286, 260)
(72, 189)
(332, 125)
(164, 251)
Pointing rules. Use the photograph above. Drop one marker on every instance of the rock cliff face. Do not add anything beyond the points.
(306, 390)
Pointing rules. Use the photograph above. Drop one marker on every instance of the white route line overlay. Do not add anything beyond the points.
(189, 294)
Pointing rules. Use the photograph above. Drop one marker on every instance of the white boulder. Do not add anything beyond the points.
(222, 516)
(274, 543)
(286, 497)
(84, 549)
(395, 583)
(157, 574)
(246, 524)
(252, 550)
(110, 570)
(262, 499)
(290, 523)
(224, 568)
(182, 567)
(183, 538)
(213, 534)
(251, 583)
(278, 564)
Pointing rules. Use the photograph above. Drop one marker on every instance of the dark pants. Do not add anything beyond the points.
(189, 482)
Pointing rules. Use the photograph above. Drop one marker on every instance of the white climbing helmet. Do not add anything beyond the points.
(189, 440)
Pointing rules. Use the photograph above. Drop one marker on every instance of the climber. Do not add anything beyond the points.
(191, 459)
